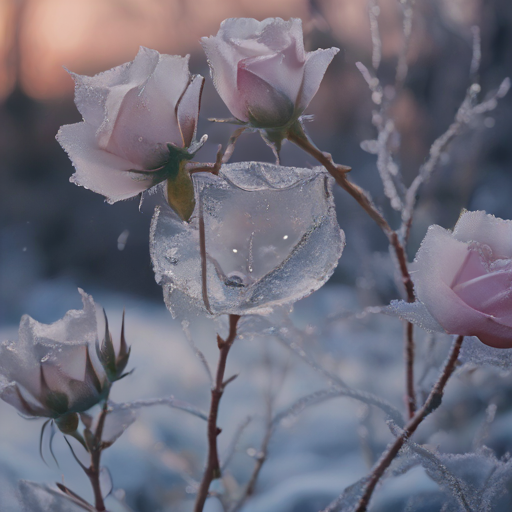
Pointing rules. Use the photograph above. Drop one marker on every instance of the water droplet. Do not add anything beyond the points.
(235, 280)
(235, 250)
(285, 237)
(140, 139)
(45, 358)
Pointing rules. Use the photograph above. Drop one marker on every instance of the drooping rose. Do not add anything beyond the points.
(49, 372)
(139, 119)
(463, 280)
(261, 70)
(270, 238)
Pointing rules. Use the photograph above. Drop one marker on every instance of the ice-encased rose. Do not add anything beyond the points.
(131, 114)
(261, 70)
(271, 238)
(48, 372)
(463, 280)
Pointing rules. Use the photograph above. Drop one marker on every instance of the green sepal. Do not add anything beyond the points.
(180, 190)
(68, 423)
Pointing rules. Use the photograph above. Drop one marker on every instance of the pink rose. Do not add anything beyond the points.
(138, 118)
(261, 71)
(463, 280)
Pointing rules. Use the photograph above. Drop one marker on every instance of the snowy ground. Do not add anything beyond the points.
(316, 451)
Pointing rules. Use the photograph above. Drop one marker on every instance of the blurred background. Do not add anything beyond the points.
(53, 231)
(55, 236)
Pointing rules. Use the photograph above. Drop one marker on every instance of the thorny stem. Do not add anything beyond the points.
(297, 135)
(433, 402)
(212, 470)
(93, 472)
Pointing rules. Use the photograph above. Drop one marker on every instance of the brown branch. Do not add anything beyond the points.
(212, 470)
(433, 402)
(93, 472)
(338, 172)
(297, 135)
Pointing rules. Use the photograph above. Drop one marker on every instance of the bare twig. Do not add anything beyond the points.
(213, 469)
(433, 402)
(188, 336)
(234, 443)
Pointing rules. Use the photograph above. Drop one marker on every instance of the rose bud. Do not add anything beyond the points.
(113, 361)
(138, 128)
(463, 280)
(261, 71)
(48, 372)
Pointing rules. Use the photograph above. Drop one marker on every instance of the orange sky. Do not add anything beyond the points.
(88, 36)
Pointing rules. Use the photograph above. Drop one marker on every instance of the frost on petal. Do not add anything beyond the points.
(98, 170)
(187, 110)
(78, 325)
(42, 498)
(475, 353)
(266, 105)
(314, 71)
(416, 313)
(486, 229)
(223, 62)
(271, 239)
(142, 120)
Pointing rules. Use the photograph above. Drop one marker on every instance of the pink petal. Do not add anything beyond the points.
(473, 266)
(489, 293)
(486, 229)
(266, 105)
(142, 119)
(100, 170)
(187, 110)
(314, 70)
(223, 60)
(281, 70)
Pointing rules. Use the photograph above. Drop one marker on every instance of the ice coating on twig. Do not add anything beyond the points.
(270, 236)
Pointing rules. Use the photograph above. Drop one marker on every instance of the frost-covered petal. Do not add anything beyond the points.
(99, 170)
(187, 110)
(26, 405)
(265, 104)
(223, 62)
(316, 65)
(486, 229)
(416, 313)
(141, 120)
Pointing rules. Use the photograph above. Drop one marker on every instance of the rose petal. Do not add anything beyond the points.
(472, 267)
(282, 70)
(314, 70)
(490, 293)
(266, 105)
(13, 395)
(486, 229)
(187, 110)
(223, 61)
(144, 121)
(97, 169)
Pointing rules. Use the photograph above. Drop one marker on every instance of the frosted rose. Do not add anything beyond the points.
(463, 280)
(48, 372)
(138, 120)
(261, 71)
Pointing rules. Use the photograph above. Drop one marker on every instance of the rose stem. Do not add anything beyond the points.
(433, 402)
(212, 470)
(297, 135)
(93, 472)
